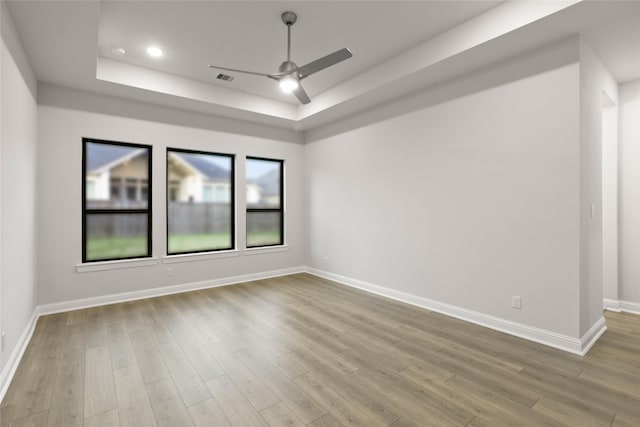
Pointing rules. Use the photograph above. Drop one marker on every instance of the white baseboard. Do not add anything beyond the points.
(16, 355)
(622, 306)
(563, 342)
(14, 360)
(611, 305)
(156, 292)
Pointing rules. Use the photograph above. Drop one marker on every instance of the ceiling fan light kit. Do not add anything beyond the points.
(289, 74)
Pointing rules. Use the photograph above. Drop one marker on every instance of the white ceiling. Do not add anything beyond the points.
(251, 36)
(396, 46)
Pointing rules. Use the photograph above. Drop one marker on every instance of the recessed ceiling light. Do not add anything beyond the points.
(155, 51)
(118, 51)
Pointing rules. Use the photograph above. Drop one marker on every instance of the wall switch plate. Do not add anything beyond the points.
(516, 301)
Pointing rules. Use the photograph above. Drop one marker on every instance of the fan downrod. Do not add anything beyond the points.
(289, 18)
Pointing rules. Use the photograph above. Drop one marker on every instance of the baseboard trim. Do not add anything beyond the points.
(16, 355)
(622, 306)
(552, 339)
(611, 305)
(591, 336)
(630, 307)
(156, 292)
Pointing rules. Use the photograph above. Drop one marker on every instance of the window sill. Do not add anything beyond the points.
(173, 259)
(115, 265)
(266, 250)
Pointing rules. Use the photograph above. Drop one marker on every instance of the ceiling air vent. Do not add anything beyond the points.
(225, 77)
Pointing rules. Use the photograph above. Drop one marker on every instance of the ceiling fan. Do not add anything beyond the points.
(289, 74)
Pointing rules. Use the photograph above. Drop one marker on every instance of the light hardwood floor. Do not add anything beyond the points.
(299, 350)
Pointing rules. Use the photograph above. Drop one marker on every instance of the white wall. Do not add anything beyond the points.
(468, 201)
(595, 81)
(629, 131)
(17, 190)
(60, 236)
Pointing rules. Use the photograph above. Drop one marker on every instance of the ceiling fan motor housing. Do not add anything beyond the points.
(289, 68)
(289, 18)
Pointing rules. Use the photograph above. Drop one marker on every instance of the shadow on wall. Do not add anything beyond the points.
(531, 63)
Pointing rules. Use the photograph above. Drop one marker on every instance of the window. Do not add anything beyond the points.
(265, 195)
(116, 221)
(199, 219)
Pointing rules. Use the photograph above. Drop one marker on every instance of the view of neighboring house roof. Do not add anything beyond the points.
(103, 156)
(202, 165)
(269, 182)
(107, 156)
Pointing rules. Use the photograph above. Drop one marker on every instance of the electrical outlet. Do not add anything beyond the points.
(516, 301)
(4, 339)
(326, 260)
(169, 271)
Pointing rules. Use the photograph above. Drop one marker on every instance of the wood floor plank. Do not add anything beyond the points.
(342, 409)
(568, 414)
(513, 413)
(326, 421)
(99, 389)
(247, 381)
(622, 422)
(407, 398)
(39, 377)
(206, 366)
(167, 405)
(283, 387)
(405, 422)
(6, 414)
(280, 415)
(152, 367)
(67, 404)
(74, 346)
(234, 404)
(37, 420)
(77, 316)
(106, 419)
(208, 414)
(134, 408)
(191, 387)
(96, 331)
(122, 354)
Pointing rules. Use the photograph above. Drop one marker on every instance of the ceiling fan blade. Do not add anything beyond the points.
(324, 62)
(240, 71)
(301, 95)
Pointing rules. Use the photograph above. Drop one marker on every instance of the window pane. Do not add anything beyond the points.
(199, 218)
(117, 174)
(263, 228)
(116, 236)
(263, 183)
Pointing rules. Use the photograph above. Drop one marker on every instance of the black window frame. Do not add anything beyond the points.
(279, 210)
(87, 212)
(232, 201)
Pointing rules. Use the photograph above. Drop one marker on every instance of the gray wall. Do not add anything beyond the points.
(595, 81)
(469, 200)
(17, 189)
(629, 131)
